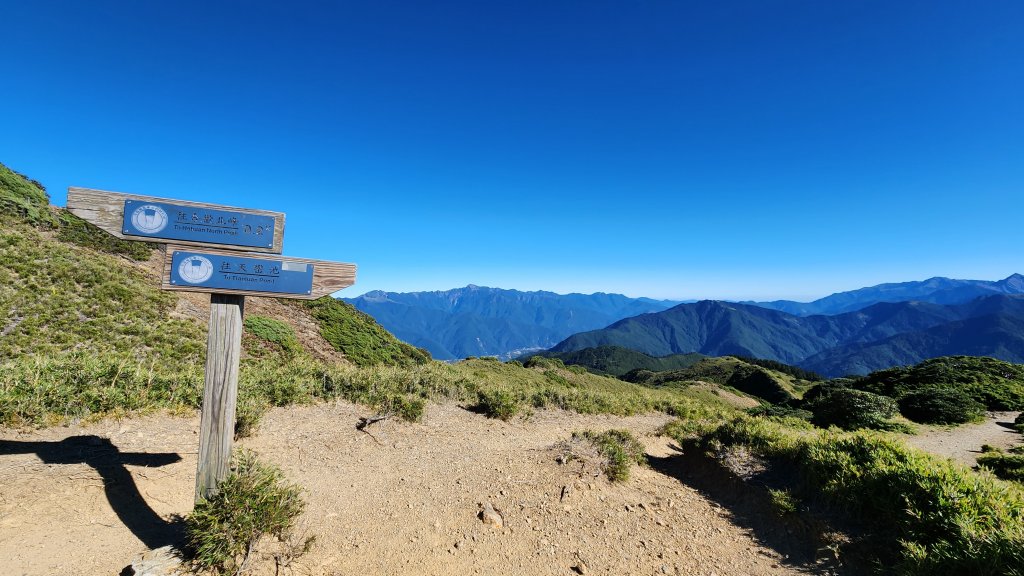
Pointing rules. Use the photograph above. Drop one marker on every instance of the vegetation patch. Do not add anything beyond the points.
(1006, 466)
(273, 334)
(499, 403)
(253, 502)
(935, 405)
(617, 361)
(850, 409)
(996, 384)
(23, 199)
(359, 337)
(924, 515)
(770, 385)
(619, 450)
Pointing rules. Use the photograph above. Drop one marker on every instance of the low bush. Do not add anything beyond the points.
(1018, 422)
(850, 409)
(274, 333)
(619, 448)
(924, 515)
(997, 384)
(936, 405)
(499, 403)
(1005, 466)
(254, 501)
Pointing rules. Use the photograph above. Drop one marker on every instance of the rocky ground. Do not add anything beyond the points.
(86, 499)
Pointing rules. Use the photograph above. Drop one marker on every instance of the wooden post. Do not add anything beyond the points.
(220, 392)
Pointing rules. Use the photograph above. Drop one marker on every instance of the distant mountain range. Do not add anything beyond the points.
(935, 290)
(481, 321)
(878, 336)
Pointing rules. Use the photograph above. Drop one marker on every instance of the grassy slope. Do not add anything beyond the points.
(765, 383)
(617, 361)
(996, 384)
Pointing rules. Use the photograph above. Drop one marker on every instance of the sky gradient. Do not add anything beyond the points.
(734, 150)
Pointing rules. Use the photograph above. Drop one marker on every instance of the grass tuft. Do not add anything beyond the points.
(619, 449)
(254, 501)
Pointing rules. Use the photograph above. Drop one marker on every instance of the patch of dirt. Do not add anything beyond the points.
(963, 443)
(85, 499)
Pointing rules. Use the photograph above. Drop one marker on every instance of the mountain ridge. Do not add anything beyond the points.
(717, 328)
(484, 321)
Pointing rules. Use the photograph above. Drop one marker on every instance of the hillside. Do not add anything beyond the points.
(876, 337)
(481, 321)
(936, 290)
(765, 383)
(616, 360)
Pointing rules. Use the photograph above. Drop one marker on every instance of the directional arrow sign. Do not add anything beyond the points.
(182, 222)
(226, 272)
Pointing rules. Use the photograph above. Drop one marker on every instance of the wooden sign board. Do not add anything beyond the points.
(150, 219)
(226, 272)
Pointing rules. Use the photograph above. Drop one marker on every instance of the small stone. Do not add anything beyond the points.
(581, 566)
(160, 562)
(491, 516)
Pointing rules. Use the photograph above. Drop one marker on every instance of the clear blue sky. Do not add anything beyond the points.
(670, 149)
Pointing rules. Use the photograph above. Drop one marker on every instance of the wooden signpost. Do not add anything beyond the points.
(230, 253)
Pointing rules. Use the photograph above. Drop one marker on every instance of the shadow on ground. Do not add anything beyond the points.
(118, 484)
(803, 541)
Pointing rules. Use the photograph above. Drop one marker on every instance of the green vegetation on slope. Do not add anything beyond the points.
(996, 384)
(764, 383)
(924, 515)
(359, 337)
(617, 361)
(23, 200)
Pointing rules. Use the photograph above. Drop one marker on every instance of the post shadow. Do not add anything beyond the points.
(118, 484)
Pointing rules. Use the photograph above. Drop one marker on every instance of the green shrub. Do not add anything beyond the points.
(997, 384)
(1006, 466)
(923, 515)
(850, 409)
(935, 405)
(499, 403)
(783, 501)
(407, 408)
(274, 332)
(24, 199)
(1018, 422)
(77, 231)
(780, 411)
(248, 414)
(620, 449)
(254, 501)
(358, 336)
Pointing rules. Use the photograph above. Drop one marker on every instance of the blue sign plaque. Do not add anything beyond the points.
(192, 224)
(251, 274)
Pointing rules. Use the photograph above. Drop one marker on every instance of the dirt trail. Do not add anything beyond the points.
(403, 503)
(963, 443)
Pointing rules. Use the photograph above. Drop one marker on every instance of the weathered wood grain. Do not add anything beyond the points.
(220, 392)
(105, 210)
(328, 277)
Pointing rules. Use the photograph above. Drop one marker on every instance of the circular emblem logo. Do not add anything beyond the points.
(195, 269)
(149, 219)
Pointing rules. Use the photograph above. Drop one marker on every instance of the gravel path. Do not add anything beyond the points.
(85, 499)
(963, 443)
